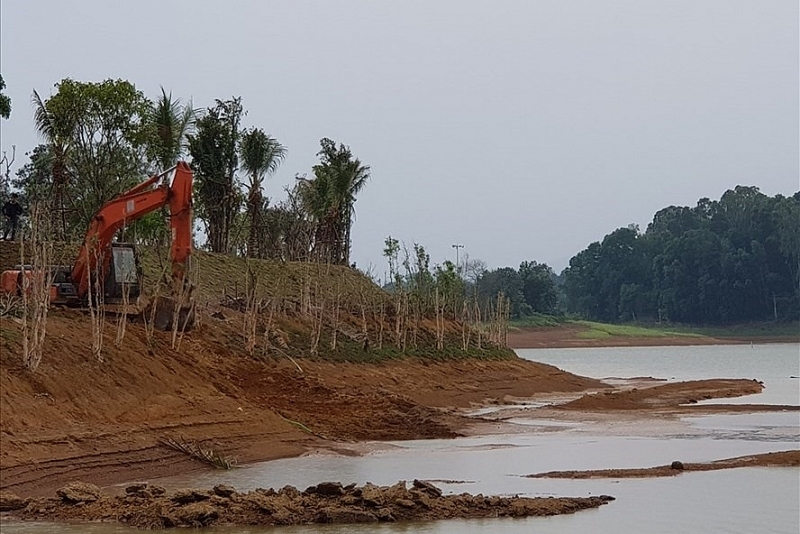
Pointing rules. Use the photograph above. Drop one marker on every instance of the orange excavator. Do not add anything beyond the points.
(114, 267)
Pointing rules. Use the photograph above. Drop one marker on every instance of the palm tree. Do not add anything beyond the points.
(331, 196)
(171, 121)
(261, 156)
(56, 129)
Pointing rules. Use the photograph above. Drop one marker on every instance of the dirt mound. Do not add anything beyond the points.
(325, 503)
(77, 417)
(771, 459)
(664, 396)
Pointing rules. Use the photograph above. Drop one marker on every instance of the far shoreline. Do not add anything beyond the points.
(568, 336)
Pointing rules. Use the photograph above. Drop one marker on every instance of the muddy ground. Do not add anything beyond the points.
(77, 418)
(770, 459)
(149, 507)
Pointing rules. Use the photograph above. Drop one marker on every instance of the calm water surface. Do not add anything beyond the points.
(774, 364)
(738, 501)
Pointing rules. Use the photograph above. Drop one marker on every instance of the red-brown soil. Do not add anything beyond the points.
(149, 507)
(664, 395)
(76, 418)
(770, 459)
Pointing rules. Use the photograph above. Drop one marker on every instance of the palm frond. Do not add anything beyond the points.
(42, 118)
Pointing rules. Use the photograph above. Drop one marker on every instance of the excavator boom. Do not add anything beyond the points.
(130, 206)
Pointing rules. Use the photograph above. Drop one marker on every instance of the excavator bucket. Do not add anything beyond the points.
(168, 312)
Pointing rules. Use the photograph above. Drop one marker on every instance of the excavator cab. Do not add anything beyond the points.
(123, 274)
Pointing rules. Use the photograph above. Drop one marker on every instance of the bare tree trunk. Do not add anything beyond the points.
(96, 305)
(36, 285)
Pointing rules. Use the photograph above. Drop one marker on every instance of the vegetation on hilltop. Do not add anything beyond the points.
(729, 261)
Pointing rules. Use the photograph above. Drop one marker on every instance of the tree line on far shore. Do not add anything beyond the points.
(736, 259)
(724, 261)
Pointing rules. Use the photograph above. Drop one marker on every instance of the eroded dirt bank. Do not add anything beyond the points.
(771, 459)
(77, 418)
(665, 396)
(150, 508)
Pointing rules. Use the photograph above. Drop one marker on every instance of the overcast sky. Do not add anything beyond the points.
(523, 130)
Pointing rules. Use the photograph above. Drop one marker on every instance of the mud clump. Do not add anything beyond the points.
(10, 501)
(329, 502)
(79, 493)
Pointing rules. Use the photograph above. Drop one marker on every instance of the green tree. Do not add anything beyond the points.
(35, 178)
(538, 286)
(214, 150)
(507, 281)
(170, 122)
(261, 156)
(5, 101)
(330, 198)
(98, 135)
(732, 260)
(56, 131)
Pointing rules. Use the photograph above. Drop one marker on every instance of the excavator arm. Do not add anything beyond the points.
(130, 206)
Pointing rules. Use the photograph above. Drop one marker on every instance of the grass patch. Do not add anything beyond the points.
(593, 334)
(743, 331)
(603, 331)
(537, 320)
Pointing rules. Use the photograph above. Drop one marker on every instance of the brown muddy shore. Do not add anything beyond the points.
(770, 459)
(150, 507)
(105, 423)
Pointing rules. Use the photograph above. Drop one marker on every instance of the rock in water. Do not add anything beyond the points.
(79, 492)
(428, 488)
(223, 490)
(328, 489)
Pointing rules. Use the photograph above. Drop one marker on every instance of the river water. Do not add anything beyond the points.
(743, 500)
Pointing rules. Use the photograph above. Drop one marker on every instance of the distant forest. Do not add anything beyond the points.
(732, 260)
(721, 262)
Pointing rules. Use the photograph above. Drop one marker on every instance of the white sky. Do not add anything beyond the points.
(522, 129)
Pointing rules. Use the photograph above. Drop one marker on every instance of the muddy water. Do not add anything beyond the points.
(739, 500)
(774, 364)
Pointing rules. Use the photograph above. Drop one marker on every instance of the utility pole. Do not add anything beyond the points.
(457, 247)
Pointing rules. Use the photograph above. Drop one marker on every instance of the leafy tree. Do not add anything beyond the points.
(97, 133)
(56, 131)
(35, 178)
(261, 156)
(450, 286)
(330, 197)
(5, 101)
(732, 260)
(170, 122)
(538, 286)
(215, 159)
(507, 281)
(288, 233)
